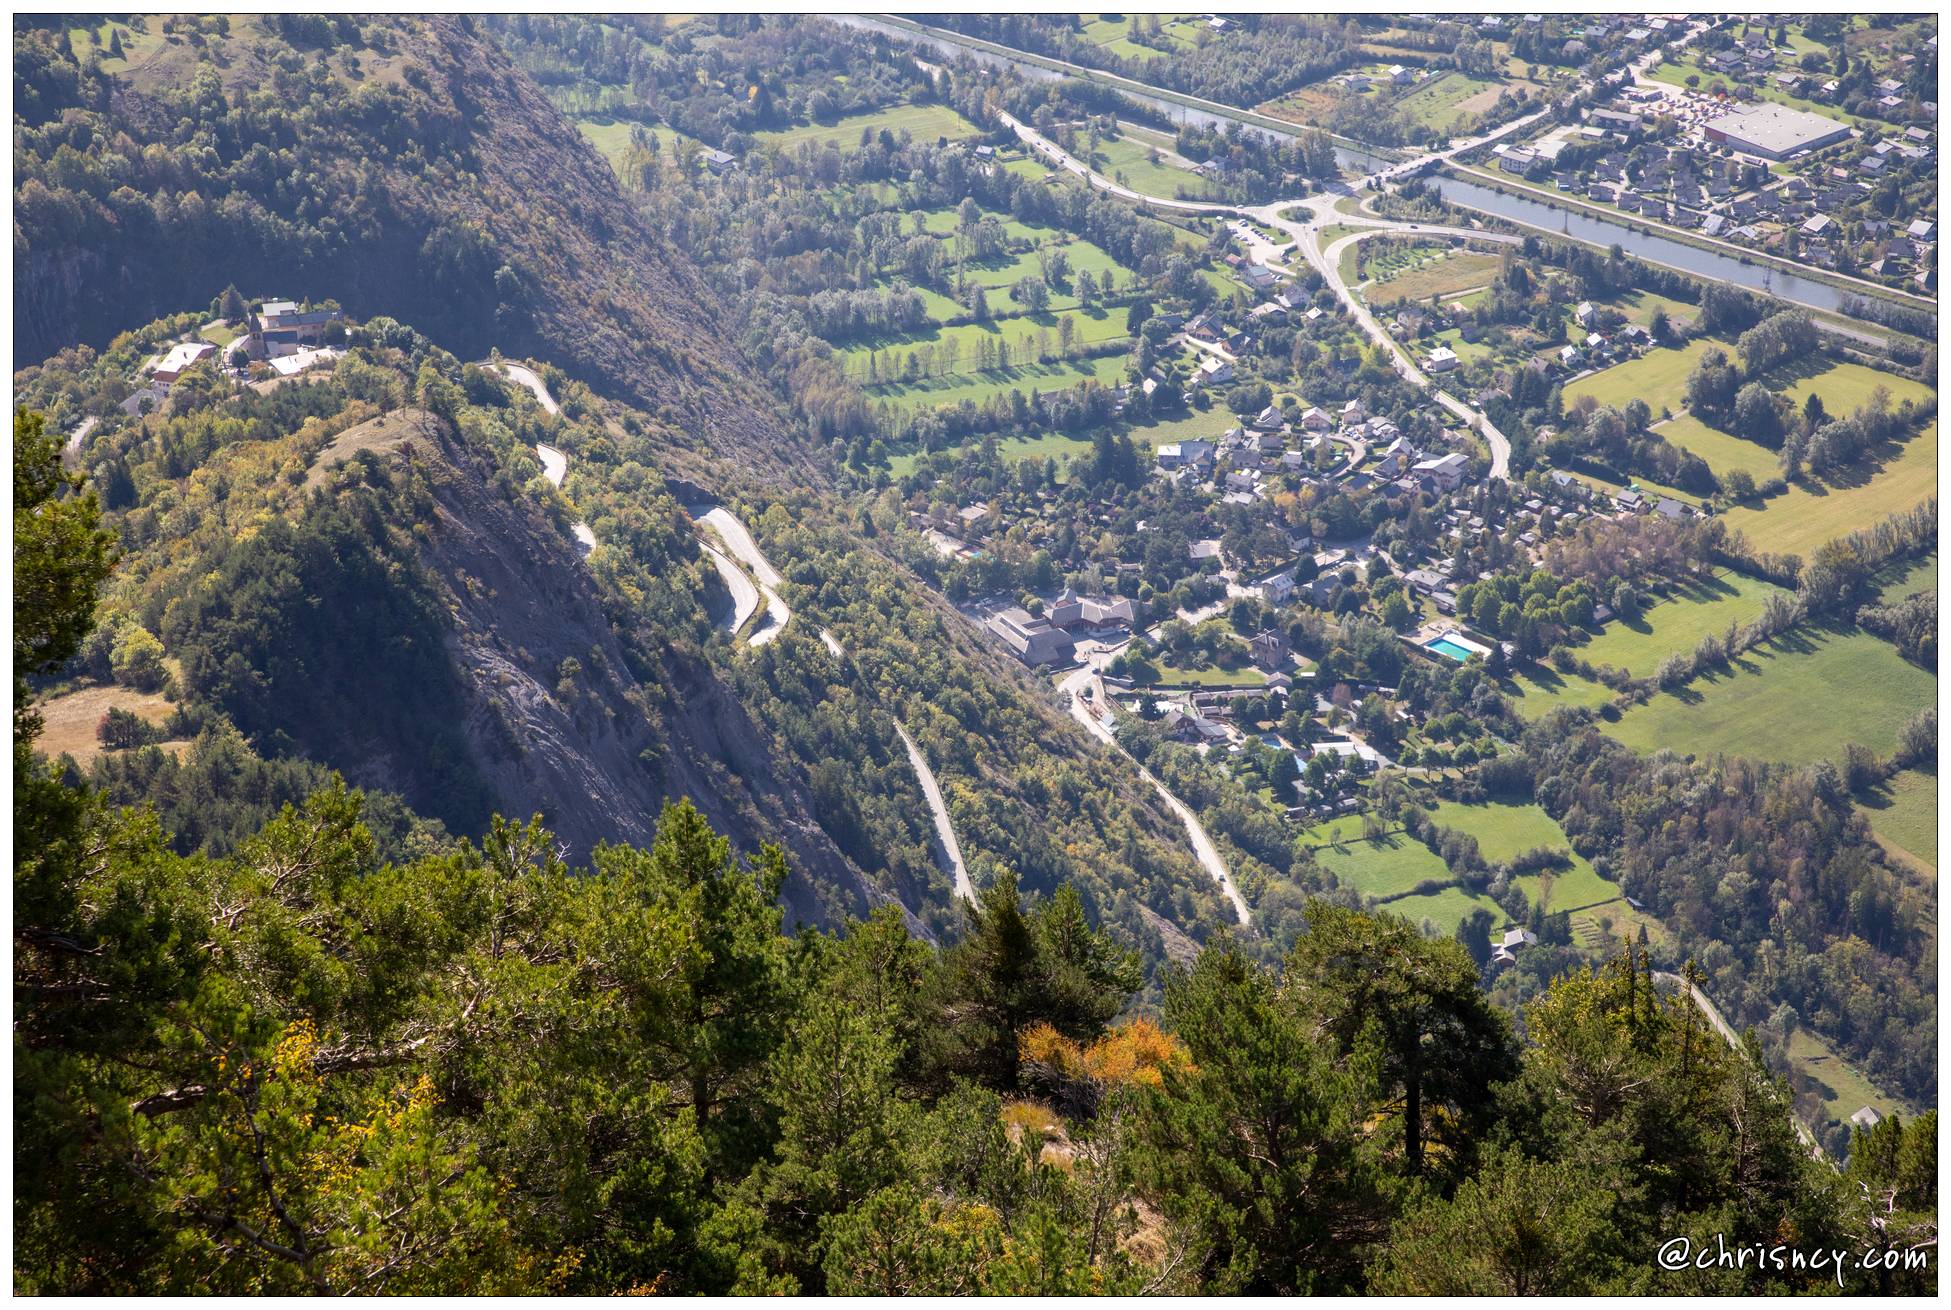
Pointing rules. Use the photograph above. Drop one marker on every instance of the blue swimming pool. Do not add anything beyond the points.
(1444, 646)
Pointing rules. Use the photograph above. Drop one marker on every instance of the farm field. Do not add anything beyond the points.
(1023, 334)
(1797, 699)
(69, 721)
(1903, 814)
(1193, 425)
(1446, 909)
(978, 387)
(1659, 377)
(1678, 622)
(1799, 520)
(1389, 867)
(923, 122)
(1724, 454)
(1444, 275)
(1537, 690)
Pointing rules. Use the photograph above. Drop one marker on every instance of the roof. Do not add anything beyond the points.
(179, 357)
(1779, 129)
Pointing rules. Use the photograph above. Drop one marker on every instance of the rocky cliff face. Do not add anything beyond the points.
(555, 720)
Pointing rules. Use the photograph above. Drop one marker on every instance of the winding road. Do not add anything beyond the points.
(739, 544)
(1086, 678)
(1305, 234)
(555, 463)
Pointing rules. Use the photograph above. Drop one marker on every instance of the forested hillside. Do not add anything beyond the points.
(400, 166)
(306, 1069)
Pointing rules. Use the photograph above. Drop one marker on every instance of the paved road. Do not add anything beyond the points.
(745, 596)
(738, 542)
(555, 464)
(1733, 1039)
(1072, 687)
(526, 377)
(950, 850)
(1305, 235)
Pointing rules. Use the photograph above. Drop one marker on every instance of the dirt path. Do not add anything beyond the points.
(949, 850)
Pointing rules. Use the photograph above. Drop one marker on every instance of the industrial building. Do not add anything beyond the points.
(1775, 131)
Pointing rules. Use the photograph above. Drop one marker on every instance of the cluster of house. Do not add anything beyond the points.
(1242, 459)
(1679, 182)
(1754, 58)
(287, 338)
(1052, 637)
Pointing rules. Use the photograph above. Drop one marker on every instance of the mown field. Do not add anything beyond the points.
(1388, 867)
(1918, 575)
(923, 122)
(1724, 454)
(1504, 831)
(1440, 102)
(1445, 909)
(1678, 622)
(1128, 159)
(1848, 1090)
(1890, 480)
(1537, 690)
(1026, 335)
(1800, 698)
(1659, 377)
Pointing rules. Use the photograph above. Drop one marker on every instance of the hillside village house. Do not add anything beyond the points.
(164, 369)
(281, 328)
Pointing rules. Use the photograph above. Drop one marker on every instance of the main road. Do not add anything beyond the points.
(1305, 233)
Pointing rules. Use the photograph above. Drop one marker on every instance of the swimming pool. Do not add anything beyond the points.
(1444, 646)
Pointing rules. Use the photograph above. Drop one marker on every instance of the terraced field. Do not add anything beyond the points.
(1800, 698)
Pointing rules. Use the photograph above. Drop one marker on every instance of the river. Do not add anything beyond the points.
(1458, 191)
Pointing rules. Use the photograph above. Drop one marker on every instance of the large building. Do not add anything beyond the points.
(1775, 131)
(1031, 639)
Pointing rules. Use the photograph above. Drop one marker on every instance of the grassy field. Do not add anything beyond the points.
(1128, 159)
(1388, 867)
(1445, 909)
(1342, 828)
(1024, 334)
(1214, 676)
(1903, 813)
(69, 721)
(978, 387)
(1846, 388)
(1724, 454)
(1919, 575)
(1659, 377)
(1848, 1090)
(1537, 690)
(1890, 480)
(1638, 307)
(1438, 103)
(1505, 831)
(1502, 831)
(1800, 698)
(1678, 622)
(923, 122)
(221, 333)
(943, 222)
(1193, 425)
(1444, 275)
